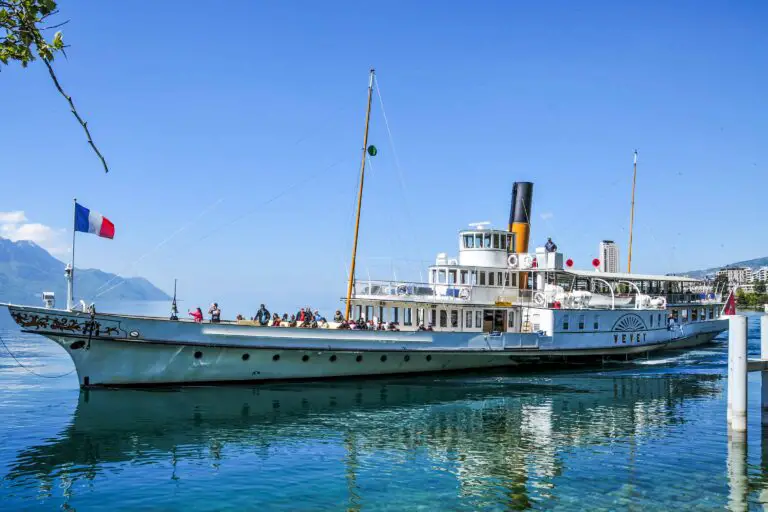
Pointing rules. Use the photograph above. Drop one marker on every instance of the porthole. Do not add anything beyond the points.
(429, 358)
(276, 357)
(305, 358)
(332, 358)
(383, 358)
(359, 359)
(198, 354)
(246, 357)
(407, 358)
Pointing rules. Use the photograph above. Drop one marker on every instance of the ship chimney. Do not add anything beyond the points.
(520, 214)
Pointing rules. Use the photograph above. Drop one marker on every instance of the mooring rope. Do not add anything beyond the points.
(30, 370)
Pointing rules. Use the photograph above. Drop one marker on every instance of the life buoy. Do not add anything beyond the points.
(539, 299)
(526, 261)
(512, 261)
(464, 294)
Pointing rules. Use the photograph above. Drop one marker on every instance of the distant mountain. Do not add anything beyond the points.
(753, 264)
(26, 270)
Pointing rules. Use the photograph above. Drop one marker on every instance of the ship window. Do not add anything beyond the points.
(443, 318)
(368, 312)
(395, 315)
(509, 243)
(454, 318)
(703, 314)
(581, 322)
(420, 316)
(659, 322)
(478, 318)
(479, 240)
(452, 276)
(433, 278)
(468, 320)
(473, 276)
(684, 315)
(514, 278)
(498, 278)
(694, 314)
(503, 242)
(382, 318)
(565, 322)
(496, 243)
(651, 315)
(441, 276)
(359, 310)
(596, 324)
(407, 316)
(469, 241)
(490, 278)
(432, 317)
(506, 279)
(511, 319)
(482, 278)
(463, 276)
(711, 313)
(487, 241)
(717, 313)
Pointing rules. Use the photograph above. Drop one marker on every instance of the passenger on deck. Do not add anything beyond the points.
(197, 315)
(275, 320)
(429, 327)
(671, 323)
(292, 321)
(550, 246)
(392, 327)
(318, 317)
(215, 313)
(262, 315)
(239, 317)
(354, 325)
(338, 317)
(285, 318)
(421, 327)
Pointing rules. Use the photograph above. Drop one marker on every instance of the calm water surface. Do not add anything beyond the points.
(643, 436)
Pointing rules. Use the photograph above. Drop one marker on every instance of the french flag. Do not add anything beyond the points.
(89, 221)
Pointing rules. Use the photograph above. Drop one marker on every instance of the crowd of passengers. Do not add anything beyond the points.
(305, 317)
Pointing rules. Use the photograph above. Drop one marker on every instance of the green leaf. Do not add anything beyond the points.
(58, 41)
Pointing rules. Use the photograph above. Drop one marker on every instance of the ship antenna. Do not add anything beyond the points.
(174, 308)
(632, 216)
(359, 198)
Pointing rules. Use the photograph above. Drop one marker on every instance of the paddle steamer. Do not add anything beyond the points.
(496, 304)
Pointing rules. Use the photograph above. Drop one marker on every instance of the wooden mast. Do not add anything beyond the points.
(632, 216)
(359, 199)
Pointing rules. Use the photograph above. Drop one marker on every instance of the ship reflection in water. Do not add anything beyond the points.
(468, 442)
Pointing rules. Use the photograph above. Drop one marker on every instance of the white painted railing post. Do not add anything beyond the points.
(737, 374)
(764, 374)
(729, 409)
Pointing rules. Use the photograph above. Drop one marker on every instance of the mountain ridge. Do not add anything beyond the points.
(753, 263)
(26, 270)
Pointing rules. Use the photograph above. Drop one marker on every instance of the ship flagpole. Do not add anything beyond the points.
(69, 272)
(632, 216)
(359, 199)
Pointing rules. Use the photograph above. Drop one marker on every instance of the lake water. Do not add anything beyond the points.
(649, 435)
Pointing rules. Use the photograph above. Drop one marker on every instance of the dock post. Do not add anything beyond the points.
(729, 410)
(764, 374)
(737, 374)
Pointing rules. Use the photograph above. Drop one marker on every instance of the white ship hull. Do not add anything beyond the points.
(115, 350)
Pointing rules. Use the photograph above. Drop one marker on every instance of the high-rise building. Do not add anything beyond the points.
(609, 256)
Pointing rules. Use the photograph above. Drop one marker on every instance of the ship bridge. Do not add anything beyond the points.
(485, 247)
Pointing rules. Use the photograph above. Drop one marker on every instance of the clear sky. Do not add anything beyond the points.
(235, 130)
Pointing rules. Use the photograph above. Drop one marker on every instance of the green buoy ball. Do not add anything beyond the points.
(372, 150)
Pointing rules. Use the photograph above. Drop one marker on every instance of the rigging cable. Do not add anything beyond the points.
(30, 370)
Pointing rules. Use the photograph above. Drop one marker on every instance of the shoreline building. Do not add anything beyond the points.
(609, 256)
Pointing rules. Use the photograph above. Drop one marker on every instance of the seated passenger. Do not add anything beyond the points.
(292, 321)
(392, 327)
(421, 327)
(275, 320)
(429, 327)
(239, 317)
(338, 317)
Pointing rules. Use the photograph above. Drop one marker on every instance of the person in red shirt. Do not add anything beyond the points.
(197, 315)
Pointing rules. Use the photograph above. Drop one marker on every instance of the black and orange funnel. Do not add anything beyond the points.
(520, 214)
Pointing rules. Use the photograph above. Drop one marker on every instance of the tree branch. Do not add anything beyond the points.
(74, 112)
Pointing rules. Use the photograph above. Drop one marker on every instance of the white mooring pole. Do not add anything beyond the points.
(764, 375)
(737, 372)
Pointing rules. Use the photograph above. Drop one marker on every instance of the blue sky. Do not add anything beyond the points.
(237, 133)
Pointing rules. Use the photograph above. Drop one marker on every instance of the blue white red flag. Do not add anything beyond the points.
(89, 221)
